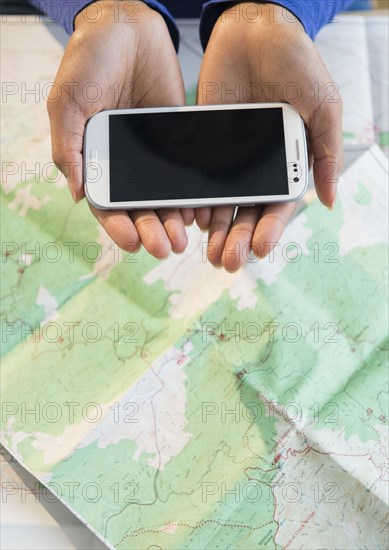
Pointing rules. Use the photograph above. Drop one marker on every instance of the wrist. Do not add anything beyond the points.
(106, 12)
(261, 16)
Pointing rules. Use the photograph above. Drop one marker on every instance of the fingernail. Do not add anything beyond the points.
(72, 191)
(330, 208)
(74, 195)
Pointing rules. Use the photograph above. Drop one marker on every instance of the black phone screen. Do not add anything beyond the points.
(197, 154)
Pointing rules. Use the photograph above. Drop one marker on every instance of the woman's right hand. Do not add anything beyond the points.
(119, 56)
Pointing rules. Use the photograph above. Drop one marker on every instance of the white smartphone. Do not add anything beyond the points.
(195, 156)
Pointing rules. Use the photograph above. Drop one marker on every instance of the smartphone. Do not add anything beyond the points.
(195, 156)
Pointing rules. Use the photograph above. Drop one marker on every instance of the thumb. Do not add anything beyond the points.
(67, 124)
(327, 148)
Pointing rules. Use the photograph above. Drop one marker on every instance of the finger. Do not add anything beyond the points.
(238, 243)
(327, 149)
(270, 227)
(218, 231)
(310, 161)
(188, 215)
(151, 233)
(119, 227)
(175, 228)
(67, 124)
(203, 217)
(309, 147)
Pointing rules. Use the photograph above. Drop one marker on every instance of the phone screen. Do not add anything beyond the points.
(197, 154)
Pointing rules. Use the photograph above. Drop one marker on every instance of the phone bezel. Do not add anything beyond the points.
(96, 159)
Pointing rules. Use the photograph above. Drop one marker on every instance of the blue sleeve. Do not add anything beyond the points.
(64, 12)
(313, 14)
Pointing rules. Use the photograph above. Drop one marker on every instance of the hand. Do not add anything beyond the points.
(124, 59)
(246, 52)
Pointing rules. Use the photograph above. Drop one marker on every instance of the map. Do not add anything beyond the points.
(354, 49)
(170, 405)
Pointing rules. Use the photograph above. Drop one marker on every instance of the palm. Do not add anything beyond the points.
(245, 63)
(116, 65)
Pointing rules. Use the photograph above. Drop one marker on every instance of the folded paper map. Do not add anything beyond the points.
(172, 405)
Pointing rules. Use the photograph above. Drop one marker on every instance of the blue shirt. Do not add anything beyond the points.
(313, 14)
